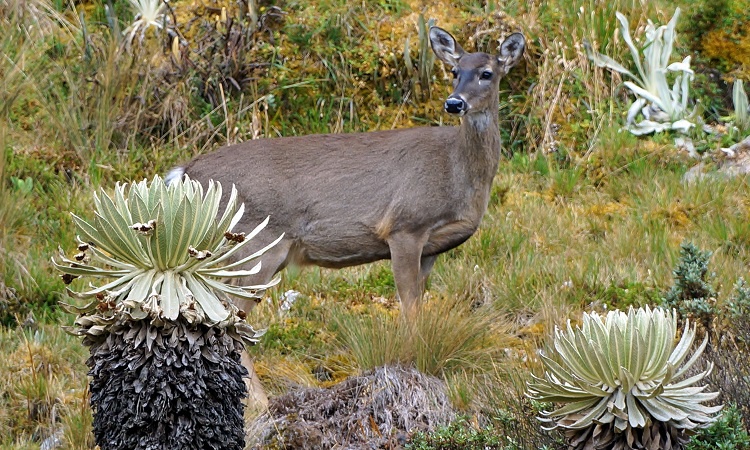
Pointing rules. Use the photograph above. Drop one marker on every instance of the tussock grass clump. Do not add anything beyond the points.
(374, 339)
(446, 335)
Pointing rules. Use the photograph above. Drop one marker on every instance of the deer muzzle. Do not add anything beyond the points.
(456, 105)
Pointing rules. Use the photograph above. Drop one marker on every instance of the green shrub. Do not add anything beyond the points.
(738, 305)
(726, 433)
(692, 295)
(460, 434)
(717, 30)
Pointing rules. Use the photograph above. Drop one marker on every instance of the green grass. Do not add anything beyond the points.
(599, 222)
(45, 377)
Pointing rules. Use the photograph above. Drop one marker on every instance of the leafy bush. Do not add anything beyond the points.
(726, 433)
(717, 30)
(618, 380)
(460, 434)
(727, 324)
(738, 305)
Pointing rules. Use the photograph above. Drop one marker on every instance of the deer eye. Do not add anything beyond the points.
(454, 71)
(486, 75)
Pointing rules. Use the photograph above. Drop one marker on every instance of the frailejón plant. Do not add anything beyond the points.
(148, 13)
(741, 108)
(620, 380)
(663, 108)
(165, 341)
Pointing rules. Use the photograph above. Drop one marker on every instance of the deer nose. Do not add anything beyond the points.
(455, 105)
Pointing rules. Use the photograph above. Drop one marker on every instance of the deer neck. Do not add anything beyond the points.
(479, 138)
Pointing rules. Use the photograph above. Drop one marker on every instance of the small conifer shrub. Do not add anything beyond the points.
(692, 294)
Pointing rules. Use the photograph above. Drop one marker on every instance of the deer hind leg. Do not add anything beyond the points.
(406, 258)
(273, 261)
(424, 270)
(256, 400)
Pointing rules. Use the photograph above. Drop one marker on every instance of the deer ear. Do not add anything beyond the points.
(511, 50)
(445, 46)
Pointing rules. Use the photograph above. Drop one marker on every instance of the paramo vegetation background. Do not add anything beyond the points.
(589, 212)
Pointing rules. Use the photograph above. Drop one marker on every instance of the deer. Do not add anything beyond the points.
(342, 200)
(406, 195)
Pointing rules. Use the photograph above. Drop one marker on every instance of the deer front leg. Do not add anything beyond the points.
(406, 257)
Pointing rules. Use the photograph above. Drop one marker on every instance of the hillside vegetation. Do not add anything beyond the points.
(584, 215)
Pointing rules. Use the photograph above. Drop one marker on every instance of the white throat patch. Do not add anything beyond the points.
(479, 121)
